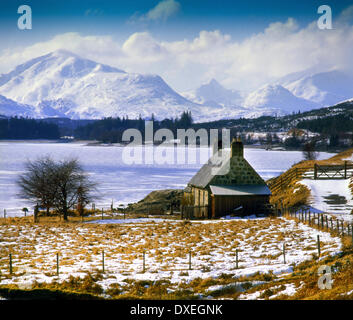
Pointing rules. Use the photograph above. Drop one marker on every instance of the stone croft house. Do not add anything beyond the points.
(226, 185)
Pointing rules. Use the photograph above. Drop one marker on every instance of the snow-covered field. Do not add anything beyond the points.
(116, 180)
(166, 243)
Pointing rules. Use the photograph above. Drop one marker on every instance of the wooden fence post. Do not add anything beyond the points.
(236, 259)
(345, 169)
(338, 226)
(322, 221)
(315, 171)
(4, 213)
(326, 222)
(10, 263)
(102, 214)
(57, 264)
(144, 261)
(318, 245)
(342, 227)
(189, 260)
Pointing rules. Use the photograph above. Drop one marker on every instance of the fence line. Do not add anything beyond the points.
(316, 172)
(322, 221)
(188, 263)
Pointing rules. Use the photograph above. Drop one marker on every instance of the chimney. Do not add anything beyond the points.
(237, 148)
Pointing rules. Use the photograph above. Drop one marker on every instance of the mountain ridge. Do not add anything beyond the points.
(62, 84)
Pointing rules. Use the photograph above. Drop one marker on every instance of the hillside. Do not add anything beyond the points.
(283, 123)
(330, 195)
(158, 202)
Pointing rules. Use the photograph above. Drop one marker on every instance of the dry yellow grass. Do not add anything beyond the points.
(166, 243)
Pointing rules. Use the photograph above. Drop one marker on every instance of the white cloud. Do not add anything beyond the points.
(142, 44)
(161, 12)
(281, 48)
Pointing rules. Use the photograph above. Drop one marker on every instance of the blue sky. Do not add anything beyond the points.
(238, 18)
(161, 28)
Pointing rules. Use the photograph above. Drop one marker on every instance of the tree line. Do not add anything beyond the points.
(110, 130)
(23, 128)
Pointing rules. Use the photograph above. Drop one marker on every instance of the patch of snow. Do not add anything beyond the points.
(322, 190)
(121, 221)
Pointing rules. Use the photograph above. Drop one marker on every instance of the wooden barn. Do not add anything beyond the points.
(226, 187)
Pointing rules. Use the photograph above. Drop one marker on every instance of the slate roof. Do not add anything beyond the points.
(240, 190)
(215, 164)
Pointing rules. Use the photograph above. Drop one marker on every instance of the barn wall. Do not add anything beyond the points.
(201, 199)
(200, 196)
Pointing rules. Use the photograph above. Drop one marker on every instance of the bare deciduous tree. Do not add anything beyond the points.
(58, 185)
(35, 183)
(309, 152)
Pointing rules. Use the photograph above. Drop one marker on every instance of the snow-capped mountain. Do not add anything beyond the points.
(63, 84)
(213, 93)
(324, 88)
(277, 97)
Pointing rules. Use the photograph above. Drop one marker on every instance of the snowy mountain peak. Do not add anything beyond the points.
(63, 63)
(214, 94)
(63, 53)
(325, 88)
(276, 96)
(63, 84)
(214, 84)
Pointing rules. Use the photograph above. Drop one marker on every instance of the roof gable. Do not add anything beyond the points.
(230, 171)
